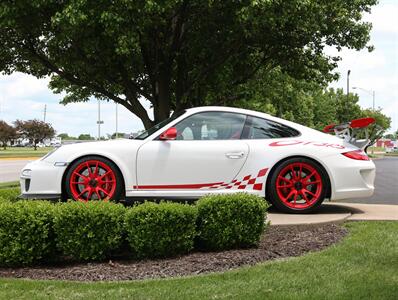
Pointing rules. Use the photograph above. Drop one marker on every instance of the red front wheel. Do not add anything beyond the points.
(93, 178)
(298, 185)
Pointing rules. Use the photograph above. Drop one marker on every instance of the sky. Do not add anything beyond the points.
(25, 97)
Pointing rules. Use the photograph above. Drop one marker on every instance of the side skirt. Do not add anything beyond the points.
(40, 196)
(157, 199)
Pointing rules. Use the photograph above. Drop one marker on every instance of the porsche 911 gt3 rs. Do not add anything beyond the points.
(210, 150)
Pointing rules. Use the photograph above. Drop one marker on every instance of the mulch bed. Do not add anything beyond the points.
(278, 242)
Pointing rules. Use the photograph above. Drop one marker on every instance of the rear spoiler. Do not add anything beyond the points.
(349, 131)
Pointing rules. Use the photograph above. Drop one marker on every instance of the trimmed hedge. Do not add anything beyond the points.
(31, 231)
(229, 221)
(9, 194)
(160, 230)
(88, 231)
(26, 234)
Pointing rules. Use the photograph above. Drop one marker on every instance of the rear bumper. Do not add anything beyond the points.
(353, 179)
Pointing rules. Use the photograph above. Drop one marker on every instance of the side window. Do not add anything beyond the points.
(211, 126)
(258, 128)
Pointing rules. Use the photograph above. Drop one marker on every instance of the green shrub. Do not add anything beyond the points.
(160, 230)
(26, 234)
(10, 194)
(230, 221)
(88, 231)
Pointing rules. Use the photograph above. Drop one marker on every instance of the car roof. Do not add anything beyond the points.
(227, 109)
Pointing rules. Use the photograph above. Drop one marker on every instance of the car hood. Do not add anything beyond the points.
(68, 153)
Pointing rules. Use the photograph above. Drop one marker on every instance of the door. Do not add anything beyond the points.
(206, 154)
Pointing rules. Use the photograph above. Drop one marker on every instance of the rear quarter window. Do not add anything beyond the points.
(259, 128)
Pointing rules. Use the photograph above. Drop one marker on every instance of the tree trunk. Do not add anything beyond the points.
(163, 105)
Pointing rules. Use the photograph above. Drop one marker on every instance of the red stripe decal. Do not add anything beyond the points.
(175, 186)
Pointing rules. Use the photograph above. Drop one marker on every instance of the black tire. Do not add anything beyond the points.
(279, 196)
(118, 191)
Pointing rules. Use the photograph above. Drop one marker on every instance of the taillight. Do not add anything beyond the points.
(357, 154)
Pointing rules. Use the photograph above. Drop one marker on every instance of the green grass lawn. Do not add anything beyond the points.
(363, 266)
(20, 152)
(391, 154)
(378, 149)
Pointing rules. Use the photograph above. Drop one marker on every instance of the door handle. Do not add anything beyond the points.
(235, 155)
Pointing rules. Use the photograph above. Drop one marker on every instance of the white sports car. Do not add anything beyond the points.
(211, 150)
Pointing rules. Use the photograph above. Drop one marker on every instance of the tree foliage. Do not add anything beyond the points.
(85, 137)
(376, 130)
(173, 53)
(305, 102)
(66, 137)
(35, 131)
(7, 133)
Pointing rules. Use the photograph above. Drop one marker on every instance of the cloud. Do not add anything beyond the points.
(384, 17)
(25, 97)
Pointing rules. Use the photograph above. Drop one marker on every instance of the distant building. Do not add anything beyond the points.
(386, 143)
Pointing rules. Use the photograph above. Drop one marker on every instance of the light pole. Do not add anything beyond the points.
(348, 87)
(45, 112)
(117, 135)
(370, 92)
(348, 82)
(99, 122)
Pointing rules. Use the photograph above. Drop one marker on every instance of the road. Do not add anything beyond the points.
(386, 184)
(10, 169)
(386, 179)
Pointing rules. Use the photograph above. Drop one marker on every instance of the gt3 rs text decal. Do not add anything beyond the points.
(247, 182)
(292, 143)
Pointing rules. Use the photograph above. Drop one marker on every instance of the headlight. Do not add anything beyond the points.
(27, 173)
(49, 153)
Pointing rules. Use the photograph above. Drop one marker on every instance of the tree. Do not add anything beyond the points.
(35, 131)
(390, 136)
(66, 137)
(377, 129)
(173, 53)
(7, 133)
(276, 93)
(119, 134)
(85, 137)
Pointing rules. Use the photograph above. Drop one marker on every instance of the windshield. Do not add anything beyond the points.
(155, 128)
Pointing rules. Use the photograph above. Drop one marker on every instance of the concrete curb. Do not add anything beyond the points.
(372, 212)
(337, 213)
(326, 214)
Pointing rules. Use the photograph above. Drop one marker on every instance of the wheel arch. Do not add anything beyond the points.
(63, 191)
(272, 170)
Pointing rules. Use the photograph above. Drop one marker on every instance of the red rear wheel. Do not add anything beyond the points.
(298, 185)
(93, 178)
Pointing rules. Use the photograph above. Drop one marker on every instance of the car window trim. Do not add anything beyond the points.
(157, 138)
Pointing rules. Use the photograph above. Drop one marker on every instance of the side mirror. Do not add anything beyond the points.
(169, 134)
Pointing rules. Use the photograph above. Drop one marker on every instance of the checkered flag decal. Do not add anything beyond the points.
(248, 182)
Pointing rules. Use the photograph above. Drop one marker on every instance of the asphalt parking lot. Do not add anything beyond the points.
(386, 179)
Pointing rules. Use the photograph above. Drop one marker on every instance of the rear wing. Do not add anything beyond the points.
(354, 132)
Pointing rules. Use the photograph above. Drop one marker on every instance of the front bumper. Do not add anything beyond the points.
(43, 181)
